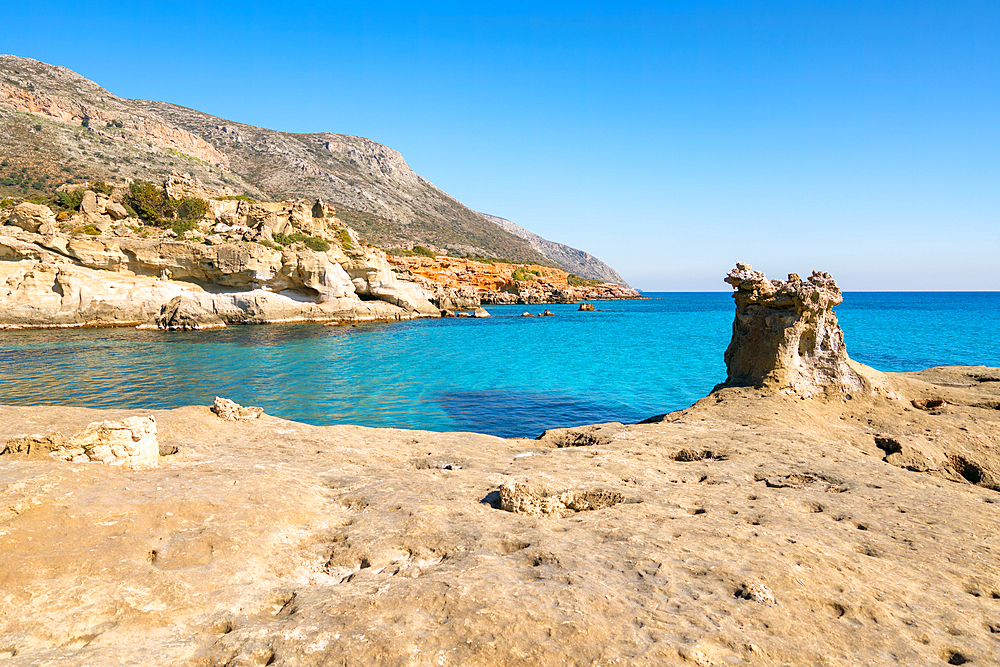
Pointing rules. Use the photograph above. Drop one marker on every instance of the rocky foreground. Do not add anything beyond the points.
(809, 511)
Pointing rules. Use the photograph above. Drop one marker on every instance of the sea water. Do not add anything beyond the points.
(507, 375)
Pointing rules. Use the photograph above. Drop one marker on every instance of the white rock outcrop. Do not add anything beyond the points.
(130, 442)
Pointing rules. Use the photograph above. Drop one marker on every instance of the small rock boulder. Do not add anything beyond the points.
(131, 442)
(521, 498)
(586, 306)
(480, 312)
(581, 436)
(116, 211)
(233, 412)
(30, 217)
(184, 314)
(89, 203)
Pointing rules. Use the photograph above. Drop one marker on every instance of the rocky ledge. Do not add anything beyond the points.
(760, 526)
(238, 262)
(98, 267)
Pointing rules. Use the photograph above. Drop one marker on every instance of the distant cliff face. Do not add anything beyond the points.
(575, 261)
(57, 126)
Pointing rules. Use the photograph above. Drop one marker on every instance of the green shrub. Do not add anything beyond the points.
(345, 239)
(182, 226)
(88, 229)
(267, 244)
(577, 281)
(521, 274)
(38, 128)
(6, 202)
(289, 239)
(246, 198)
(102, 187)
(149, 201)
(421, 250)
(36, 198)
(70, 200)
(316, 243)
(192, 208)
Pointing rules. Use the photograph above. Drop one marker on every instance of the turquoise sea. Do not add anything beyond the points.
(507, 375)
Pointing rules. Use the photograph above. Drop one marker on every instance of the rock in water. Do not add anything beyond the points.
(480, 312)
(184, 314)
(131, 441)
(586, 306)
(786, 335)
(233, 412)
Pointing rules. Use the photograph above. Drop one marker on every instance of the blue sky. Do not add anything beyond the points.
(668, 139)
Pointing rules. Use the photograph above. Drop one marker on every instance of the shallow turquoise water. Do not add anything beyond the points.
(507, 375)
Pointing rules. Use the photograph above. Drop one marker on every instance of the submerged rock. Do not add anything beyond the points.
(786, 335)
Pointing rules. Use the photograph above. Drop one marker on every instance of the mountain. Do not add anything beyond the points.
(57, 126)
(575, 261)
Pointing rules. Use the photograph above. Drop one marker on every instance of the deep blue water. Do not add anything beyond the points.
(506, 375)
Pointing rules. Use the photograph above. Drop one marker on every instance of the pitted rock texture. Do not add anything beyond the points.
(277, 542)
(231, 411)
(130, 442)
(786, 335)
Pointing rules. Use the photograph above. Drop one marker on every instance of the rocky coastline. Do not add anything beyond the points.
(237, 262)
(809, 510)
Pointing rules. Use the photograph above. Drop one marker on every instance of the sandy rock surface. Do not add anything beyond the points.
(754, 528)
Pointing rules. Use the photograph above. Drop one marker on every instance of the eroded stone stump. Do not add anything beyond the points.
(786, 335)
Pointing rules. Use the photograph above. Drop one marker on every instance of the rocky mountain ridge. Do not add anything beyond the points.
(56, 125)
(575, 261)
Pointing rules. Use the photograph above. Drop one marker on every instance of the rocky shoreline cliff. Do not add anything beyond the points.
(231, 260)
(794, 516)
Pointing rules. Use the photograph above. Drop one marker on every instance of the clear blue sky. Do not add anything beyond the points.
(668, 139)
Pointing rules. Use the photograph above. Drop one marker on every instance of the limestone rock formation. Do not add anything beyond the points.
(786, 335)
(130, 442)
(122, 276)
(185, 314)
(231, 411)
(32, 217)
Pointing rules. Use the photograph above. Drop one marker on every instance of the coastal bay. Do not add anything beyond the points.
(506, 375)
